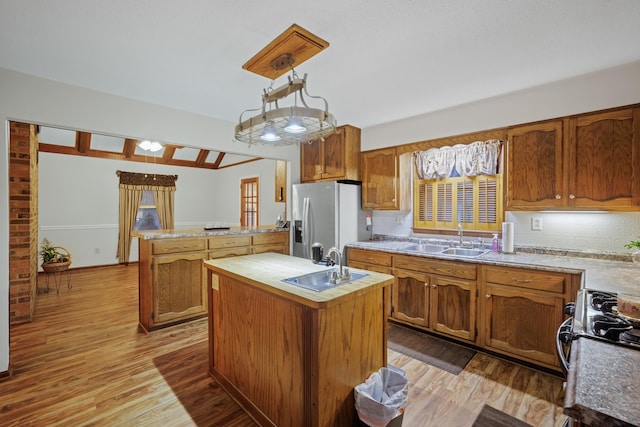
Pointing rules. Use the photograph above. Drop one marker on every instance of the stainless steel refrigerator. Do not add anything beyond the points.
(329, 213)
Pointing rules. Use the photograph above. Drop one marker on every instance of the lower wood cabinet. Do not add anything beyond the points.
(171, 278)
(508, 310)
(177, 293)
(522, 310)
(453, 307)
(410, 297)
(270, 242)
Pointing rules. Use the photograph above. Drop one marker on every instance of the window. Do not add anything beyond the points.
(147, 216)
(249, 202)
(474, 202)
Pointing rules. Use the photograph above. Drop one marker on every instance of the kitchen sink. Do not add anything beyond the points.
(426, 248)
(322, 280)
(472, 253)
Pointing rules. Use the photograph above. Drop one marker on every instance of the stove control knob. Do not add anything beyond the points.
(570, 308)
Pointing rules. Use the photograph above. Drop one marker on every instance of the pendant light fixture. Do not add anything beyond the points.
(286, 115)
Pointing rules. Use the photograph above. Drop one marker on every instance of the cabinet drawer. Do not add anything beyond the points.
(276, 247)
(530, 279)
(168, 246)
(434, 266)
(229, 241)
(369, 257)
(227, 252)
(270, 238)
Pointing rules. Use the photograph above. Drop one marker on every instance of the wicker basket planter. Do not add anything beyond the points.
(58, 258)
(52, 267)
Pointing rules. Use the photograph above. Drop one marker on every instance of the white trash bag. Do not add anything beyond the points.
(382, 397)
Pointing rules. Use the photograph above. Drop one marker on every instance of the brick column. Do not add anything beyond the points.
(23, 221)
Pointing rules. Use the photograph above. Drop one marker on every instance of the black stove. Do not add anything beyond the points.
(596, 316)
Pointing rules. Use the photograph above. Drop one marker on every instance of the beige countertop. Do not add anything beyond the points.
(267, 270)
(201, 232)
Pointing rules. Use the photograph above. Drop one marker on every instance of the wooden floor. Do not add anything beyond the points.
(83, 361)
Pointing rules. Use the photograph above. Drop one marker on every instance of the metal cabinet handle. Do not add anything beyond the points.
(558, 197)
(572, 196)
(433, 286)
(513, 279)
(487, 296)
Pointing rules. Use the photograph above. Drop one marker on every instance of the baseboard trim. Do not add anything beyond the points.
(5, 375)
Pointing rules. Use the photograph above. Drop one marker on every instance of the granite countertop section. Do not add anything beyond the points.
(602, 274)
(179, 233)
(267, 270)
(603, 386)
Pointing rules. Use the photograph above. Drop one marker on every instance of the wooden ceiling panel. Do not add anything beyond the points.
(296, 41)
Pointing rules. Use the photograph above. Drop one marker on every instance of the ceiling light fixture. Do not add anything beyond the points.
(150, 146)
(293, 124)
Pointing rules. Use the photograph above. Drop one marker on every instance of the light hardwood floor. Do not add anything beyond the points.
(83, 361)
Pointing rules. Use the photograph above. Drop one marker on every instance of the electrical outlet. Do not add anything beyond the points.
(96, 251)
(536, 223)
(398, 219)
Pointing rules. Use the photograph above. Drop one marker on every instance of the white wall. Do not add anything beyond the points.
(78, 201)
(583, 231)
(34, 100)
(605, 89)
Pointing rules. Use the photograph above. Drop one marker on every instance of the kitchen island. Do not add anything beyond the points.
(288, 355)
(171, 277)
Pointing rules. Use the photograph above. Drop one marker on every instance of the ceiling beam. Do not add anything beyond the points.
(83, 142)
(129, 148)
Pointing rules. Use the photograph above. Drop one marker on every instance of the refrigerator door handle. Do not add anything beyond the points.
(306, 229)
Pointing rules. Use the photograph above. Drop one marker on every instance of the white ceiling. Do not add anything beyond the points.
(387, 59)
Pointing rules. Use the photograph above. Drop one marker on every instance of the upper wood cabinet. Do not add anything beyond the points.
(603, 150)
(386, 180)
(580, 162)
(534, 170)
(336, 157)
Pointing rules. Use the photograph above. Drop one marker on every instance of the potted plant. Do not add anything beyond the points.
(635, 255)
(54, 258)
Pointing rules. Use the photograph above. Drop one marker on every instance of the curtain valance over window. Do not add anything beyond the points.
(477, 158)
(133, 178)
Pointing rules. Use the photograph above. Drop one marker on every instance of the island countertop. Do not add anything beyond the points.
(201, 232)
(267, 270)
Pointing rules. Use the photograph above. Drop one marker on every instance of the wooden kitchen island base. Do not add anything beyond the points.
(291, 356)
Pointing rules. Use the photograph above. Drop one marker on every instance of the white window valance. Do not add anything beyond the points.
(477, 158)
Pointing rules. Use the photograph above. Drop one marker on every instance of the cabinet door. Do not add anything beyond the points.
(311, 163)
(535, 166)
(453, 307)
(380, 179)
(333, 154)
(410, 297)
(522, 323)
(604, 147)
(179, 290)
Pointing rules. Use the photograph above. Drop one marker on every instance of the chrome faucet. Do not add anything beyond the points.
(344, 273)
(460, 232)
